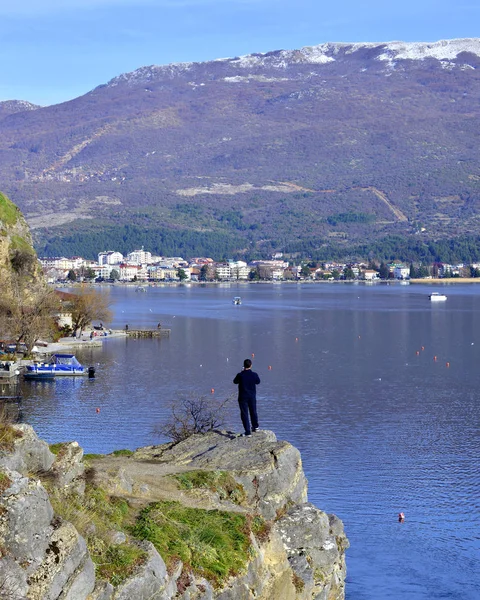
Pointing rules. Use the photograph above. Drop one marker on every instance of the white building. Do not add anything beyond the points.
(238, 269)
(277, 274)
(370, 275)
(104, 271)
(110, 258)
(401, 272)
(129, 272)
(139, 257)
(61, 263)
(172, 262)
(274, 264)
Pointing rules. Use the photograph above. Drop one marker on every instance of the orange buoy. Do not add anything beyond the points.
(448, 364)
(269, 367)
(97, 410)
(212, 390)
(434, 358)
(401, 517)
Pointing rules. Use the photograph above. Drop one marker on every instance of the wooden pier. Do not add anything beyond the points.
(148, 333)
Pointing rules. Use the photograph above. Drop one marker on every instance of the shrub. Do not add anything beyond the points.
(8, 433)
(193, 415)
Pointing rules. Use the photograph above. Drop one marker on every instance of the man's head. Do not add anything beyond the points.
(247, 363)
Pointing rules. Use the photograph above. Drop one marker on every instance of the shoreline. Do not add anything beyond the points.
(84, 342)
(152, 284)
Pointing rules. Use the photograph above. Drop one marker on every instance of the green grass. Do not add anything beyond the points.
(214, 544)
(220, 482)
(95, 515)
(5, 482)
(92, 456)
(19, 243)
(9, 213)
(115, 563)
(123, 452)
(8, 435)
(57, 449)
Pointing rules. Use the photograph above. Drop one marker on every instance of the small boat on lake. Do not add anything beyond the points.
(60, 365)
(436, 297)
(237, 300)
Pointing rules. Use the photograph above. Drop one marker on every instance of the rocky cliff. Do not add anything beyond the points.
(15, 238)
(215, 516)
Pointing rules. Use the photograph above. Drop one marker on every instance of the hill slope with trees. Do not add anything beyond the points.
(338, 144)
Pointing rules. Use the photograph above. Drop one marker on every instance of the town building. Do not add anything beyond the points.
(139, 257)
(370, 275)
(401, 272)
(110, 258)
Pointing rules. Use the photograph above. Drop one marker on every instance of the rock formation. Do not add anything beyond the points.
(97, 527)
(14, 237)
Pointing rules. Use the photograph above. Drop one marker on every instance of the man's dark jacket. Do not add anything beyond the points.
(247, 380)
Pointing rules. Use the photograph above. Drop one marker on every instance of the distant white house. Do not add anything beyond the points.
(401, 272)
(370, 275)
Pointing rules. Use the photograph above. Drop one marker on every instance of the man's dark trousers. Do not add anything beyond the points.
(246, 407)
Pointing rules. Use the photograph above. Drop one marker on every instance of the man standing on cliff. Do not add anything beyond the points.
(247, 381)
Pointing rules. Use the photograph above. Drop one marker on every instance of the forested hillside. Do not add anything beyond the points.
(330, 148)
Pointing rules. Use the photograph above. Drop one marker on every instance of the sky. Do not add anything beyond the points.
(52, 51)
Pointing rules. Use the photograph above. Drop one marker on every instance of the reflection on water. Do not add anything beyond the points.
(383, 426)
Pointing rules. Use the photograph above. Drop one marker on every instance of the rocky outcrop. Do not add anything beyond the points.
(14, 236)
(30, 454)
(270, 471)
(68, 468)
(300, 554)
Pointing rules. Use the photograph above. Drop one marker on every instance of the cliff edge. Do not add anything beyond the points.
(215, 516)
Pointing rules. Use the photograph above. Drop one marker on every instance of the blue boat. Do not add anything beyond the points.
(60, 365)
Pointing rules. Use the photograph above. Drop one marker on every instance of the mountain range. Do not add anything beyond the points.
(330, 146)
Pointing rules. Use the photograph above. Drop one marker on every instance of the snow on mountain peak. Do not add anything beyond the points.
(441, 50)
(389, 52)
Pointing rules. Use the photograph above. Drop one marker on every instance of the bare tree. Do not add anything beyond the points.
(27, 305)
(193, 415)
(89, 305)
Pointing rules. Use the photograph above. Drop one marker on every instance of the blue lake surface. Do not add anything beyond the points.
(358, 382)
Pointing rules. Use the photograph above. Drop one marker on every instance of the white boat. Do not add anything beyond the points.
(237, 300)
(436, 297)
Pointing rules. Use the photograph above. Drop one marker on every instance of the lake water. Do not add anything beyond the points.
(383, 426)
